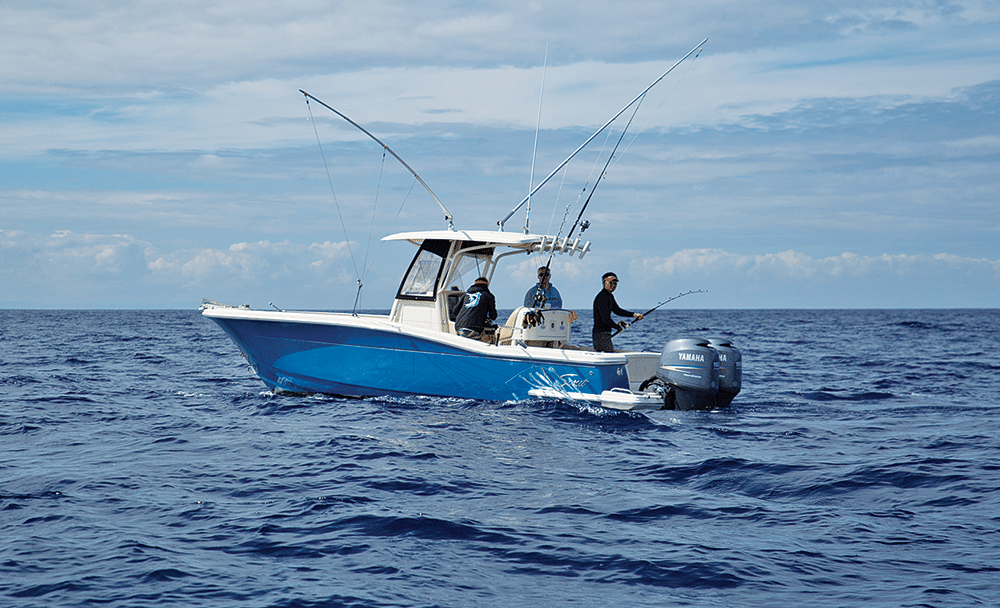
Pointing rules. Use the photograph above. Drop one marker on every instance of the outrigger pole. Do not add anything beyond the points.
(583, 145)
(447, 214)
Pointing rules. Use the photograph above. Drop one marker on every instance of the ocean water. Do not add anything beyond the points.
(142, 465)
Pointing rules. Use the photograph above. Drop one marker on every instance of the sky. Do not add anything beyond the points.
(812, 155)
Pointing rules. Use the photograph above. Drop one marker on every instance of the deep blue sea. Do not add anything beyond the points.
(142, 465)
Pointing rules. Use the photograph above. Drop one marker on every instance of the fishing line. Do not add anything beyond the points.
(605, 170)
(369, 268)
(552, 252)
(635, 111)
(329, 178)
(385, 148)
(371, 228)
(638, 103)
(597, 158)
(584, 144)
(447, 215)
(663, 101)
(413, 184)
(556, 206)
(593, 168)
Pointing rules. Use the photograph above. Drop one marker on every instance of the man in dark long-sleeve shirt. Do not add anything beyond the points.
(478, 310)
(604, 305)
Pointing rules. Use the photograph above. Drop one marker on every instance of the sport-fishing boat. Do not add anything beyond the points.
(415, 349)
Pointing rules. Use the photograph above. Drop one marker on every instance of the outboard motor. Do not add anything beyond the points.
(690, 367)
(730, 370)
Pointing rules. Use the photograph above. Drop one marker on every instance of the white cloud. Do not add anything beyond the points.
(793, 265)
(332, 251)
(67, 265)
(248, 263)
(66, 254)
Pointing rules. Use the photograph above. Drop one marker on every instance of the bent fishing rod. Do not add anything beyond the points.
(596, 133)
(667, 301)
(447, 214)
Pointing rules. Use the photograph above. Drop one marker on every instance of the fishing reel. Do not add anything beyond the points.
(533, 318)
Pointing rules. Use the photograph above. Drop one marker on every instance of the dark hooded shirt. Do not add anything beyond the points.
(477, 306)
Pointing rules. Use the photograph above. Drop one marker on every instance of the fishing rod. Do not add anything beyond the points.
(447, 215)
(680, 295)
(604, 172)
(596, 133)
(597, 182)
(538, 294)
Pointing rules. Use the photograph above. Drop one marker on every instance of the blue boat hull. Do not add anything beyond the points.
(350, 360)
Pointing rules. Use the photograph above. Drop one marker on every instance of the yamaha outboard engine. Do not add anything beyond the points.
(730, 370)
(690, 367)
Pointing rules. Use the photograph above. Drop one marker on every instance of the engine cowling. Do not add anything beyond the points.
(730, 370)
(690, 367)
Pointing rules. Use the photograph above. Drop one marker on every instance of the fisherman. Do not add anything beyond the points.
(604, 305)
(454, 302)
(544, 294)
(479, 309)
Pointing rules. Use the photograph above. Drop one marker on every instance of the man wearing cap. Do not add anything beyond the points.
(604, 305)
(544, 294)
(479, 308)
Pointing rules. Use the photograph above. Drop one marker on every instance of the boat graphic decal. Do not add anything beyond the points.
(573, 380)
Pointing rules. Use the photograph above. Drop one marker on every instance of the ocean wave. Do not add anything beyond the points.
(857, 467)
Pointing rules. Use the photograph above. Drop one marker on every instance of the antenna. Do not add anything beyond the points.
(534, 150)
